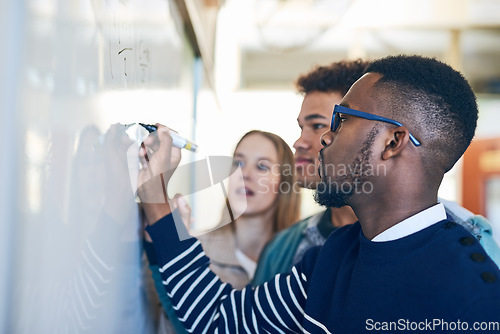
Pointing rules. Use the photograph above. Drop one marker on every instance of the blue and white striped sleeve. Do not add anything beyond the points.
(204, 304)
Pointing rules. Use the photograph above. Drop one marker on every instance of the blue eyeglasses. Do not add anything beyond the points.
(336, 119)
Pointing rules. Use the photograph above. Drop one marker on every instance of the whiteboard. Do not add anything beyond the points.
(73, 261)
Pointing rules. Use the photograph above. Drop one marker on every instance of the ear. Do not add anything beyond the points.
(396, 141)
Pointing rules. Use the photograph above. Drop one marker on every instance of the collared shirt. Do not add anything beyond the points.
(247, 263)
(413, 224)
(319, 227)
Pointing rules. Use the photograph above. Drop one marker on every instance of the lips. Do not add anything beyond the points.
(320, 159)
(301, 160)
(245, 192)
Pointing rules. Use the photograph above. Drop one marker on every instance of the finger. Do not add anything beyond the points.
(147, 237)
(151, 140)
(145, 152)
(182, 204)
(166, 145)
(184, 209)
(164, 133)
(159, 126)
(143, 156)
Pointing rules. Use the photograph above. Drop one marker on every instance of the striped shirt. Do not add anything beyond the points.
(206, 305)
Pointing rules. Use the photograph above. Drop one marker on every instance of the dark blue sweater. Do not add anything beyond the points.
(431, 281)
(439, 273)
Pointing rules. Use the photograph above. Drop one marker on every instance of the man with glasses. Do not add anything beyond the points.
(402, 267)
(323, 88)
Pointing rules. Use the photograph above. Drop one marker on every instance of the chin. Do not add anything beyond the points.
(305, 170)
(309, 182)
(238, 211)
(326, 197)
(238, 206)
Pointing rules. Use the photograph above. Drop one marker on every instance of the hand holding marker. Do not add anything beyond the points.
(177, 140)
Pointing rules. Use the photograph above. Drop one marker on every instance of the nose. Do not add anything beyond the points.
(326, 138)
(303, 143)
(246, 173)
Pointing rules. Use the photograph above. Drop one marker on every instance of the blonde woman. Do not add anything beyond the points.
(264, 198)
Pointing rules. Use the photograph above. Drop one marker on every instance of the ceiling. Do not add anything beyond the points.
(277, 40)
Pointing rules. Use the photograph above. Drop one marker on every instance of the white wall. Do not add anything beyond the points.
(70, 234)
(11, 23)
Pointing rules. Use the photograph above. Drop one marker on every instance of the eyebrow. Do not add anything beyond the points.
(313, 116)
(239, 155)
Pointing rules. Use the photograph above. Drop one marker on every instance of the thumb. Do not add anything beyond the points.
(184, 210)
(167, 145)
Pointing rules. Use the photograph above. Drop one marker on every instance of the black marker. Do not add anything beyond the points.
(177, 140)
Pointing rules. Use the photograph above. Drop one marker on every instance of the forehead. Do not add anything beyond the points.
(257, 146)
(319, 103)
(361, 95)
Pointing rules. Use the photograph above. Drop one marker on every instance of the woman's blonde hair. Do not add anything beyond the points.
(287, 209)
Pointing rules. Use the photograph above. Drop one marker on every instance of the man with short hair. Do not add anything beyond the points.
(402, 264)
(323, 87)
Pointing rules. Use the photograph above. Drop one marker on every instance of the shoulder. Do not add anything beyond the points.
(463, 263)
(220, 245)
(295, 231)
(285, 241)
(340, 242)
(308, 262)
(459, 254)
(324, 258)
(292, 234)
(481, 228)
(278, 255)
(456, 212)
(344, 234)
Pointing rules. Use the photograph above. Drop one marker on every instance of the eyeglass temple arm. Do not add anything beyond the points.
(386, 120)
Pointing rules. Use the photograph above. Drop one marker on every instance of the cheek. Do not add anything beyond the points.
(317, 145)
(341, 148)
(269, 185)
(236, 176)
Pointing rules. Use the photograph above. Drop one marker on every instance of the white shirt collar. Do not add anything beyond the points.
(413, 224)
(247, 263)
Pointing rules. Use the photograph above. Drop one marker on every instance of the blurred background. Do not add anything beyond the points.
(70, 255)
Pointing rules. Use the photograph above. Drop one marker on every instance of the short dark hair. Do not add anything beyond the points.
(336, 77)
(435, 101)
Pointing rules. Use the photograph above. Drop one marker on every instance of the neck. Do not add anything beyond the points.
(389, 210)
(405, 189)
(342, 216)
(252, 234)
